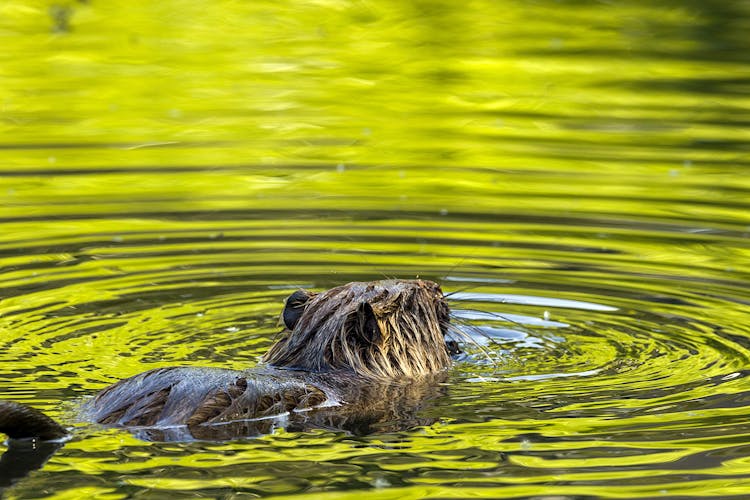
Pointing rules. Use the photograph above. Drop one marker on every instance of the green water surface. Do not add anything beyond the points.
(574, 173)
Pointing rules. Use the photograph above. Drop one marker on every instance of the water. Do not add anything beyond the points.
(574, 173)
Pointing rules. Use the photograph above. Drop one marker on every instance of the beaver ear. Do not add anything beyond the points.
(294, 307)
(367, 324)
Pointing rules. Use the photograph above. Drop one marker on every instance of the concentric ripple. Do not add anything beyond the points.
(574, 174)
(597, 368)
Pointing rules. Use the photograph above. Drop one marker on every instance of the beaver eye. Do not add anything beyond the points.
(295, 306)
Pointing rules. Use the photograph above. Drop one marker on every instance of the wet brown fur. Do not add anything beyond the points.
(362, 350)
(333, 332)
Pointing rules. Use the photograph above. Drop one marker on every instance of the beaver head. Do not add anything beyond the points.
(381, 329)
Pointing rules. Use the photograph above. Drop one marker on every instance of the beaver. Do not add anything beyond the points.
(358, 357)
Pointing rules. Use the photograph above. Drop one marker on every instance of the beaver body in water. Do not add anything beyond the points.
(353, 357)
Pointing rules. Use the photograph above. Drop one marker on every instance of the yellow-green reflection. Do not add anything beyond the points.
(170, 171)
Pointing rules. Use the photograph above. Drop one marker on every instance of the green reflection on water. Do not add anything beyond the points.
(170, 170)
(417, 83)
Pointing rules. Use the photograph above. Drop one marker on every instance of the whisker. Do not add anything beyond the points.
(521, 326)
(460, 290)
(455, 329)
(460, 262)
(477, 330)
